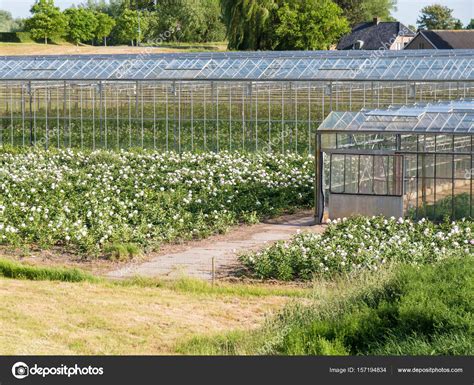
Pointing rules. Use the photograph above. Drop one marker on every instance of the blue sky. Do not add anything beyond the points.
(408, 10)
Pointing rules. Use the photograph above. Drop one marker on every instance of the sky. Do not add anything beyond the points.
(409, 10)
(407, 13)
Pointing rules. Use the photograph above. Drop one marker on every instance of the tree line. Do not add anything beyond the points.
(245, 24)
(118, 22)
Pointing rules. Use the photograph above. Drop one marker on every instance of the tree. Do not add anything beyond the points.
(191, 21)
(283, 24)
(438, 17)
(47, 21)
(166, 20)
(309, 25)
(248, 23)
(470, 25)
(214, 29)
(6, 21)
(112, 8)
(457, 24)
(359, 11)
(105, 24)
(131, 26)
(82, 24)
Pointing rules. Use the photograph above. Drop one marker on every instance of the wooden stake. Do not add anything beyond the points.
(213, 271)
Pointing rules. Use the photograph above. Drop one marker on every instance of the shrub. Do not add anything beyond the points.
(122, 251)
(359, 243)
(84, 201)
(15, 37)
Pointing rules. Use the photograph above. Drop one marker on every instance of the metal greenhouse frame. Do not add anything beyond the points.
(414, 160)
(250, 101)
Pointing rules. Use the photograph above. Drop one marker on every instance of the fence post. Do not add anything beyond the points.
(213, 270)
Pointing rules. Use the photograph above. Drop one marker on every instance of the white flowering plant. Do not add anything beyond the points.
(84, 201)
(360, 243)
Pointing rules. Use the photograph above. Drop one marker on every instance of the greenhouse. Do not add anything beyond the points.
(413, 160)
(393, 128)
(247, 101)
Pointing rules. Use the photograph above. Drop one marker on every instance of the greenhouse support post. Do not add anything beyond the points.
(318, 181)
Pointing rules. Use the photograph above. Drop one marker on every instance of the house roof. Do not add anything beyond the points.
(374, 35)
(450, 39)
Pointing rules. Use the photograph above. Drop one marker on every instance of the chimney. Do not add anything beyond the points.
(359, 44)
(376, 20)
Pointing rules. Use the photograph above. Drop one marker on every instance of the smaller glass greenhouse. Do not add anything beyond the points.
(413, 160)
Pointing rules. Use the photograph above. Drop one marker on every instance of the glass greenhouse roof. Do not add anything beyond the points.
(451, 117)
(416, 65)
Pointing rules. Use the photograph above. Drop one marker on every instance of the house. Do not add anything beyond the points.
(443, 39)
(377, 35)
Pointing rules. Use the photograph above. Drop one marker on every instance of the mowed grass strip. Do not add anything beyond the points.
(56, 317)
(17, 270)
(65, 48)
(197, 286)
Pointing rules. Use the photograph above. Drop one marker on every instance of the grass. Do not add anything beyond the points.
(399, 310)
(17, 270)
(194, 47)
(66, 311)
(11, 269)
(122, 251)
(57, 318)
(65, 48)
(200, 287)
(409, 310)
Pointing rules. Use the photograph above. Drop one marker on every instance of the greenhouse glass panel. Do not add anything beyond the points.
(426, 175)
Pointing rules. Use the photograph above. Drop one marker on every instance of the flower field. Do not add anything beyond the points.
(85, 201)
(355, 244)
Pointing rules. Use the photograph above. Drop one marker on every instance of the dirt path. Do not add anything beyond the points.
(195, 258)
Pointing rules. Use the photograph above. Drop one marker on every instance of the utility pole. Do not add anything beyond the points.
(139, 31)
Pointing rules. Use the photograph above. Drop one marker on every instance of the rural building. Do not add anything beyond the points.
(377, 35)
(443, 39)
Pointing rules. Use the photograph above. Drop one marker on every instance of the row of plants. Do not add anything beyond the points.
(87, 201)
(457, 206)
(356, 244)
(162, 136)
